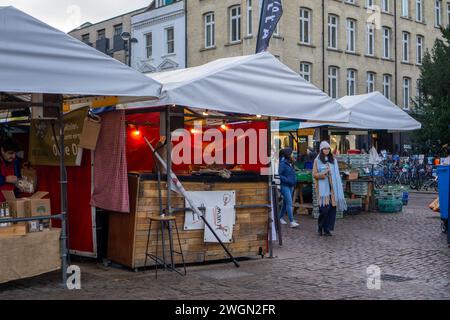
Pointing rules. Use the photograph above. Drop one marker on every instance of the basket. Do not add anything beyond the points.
(390, 205)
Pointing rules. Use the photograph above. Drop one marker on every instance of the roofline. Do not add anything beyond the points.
(121, 15)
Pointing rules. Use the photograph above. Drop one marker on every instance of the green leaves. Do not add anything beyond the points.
(433, 105)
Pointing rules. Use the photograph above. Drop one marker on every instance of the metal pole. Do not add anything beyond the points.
(271, 212)
(63, 191)
(169, 181)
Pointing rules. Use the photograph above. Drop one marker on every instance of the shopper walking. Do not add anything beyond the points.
(328, 188)
(288, 180)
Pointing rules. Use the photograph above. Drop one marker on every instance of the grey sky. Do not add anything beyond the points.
(69, 14)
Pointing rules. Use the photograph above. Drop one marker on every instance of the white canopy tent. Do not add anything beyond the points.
(372, 111)
(256, 85)
(37, 58)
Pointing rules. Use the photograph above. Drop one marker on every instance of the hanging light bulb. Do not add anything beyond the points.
(205, 113)
(224, 126)
(258, 116)
(136, 132)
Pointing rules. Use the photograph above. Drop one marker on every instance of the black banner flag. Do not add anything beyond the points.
(271, 12)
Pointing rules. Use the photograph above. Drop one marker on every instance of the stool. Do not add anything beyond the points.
(165, 222)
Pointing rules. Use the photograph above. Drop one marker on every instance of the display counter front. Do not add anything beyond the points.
(29, 255)
(127, 236)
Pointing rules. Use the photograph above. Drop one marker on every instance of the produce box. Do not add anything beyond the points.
(33, 206)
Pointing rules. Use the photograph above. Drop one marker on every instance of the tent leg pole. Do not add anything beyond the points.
(271, 211)
(63, 191)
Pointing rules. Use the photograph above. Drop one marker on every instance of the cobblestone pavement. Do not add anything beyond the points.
(408, 247)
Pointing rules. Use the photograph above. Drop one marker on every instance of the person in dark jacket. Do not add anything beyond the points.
(288, 180)
(9, 166)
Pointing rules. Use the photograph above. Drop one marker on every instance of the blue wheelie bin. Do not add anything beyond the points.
(444, 194)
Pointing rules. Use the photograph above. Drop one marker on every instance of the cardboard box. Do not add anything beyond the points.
(14, 230)
(352, 175)
(33, 206)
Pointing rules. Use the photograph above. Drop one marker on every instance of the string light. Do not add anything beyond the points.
(258, 116)
(136, 133)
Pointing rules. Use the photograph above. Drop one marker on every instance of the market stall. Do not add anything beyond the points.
(371, 114)
(234, 93)
(45, 72)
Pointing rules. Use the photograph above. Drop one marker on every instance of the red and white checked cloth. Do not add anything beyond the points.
(110, 165)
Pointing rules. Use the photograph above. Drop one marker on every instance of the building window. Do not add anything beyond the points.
(350, 1)
(448, 12)
(305, 26)
(419, 88)
(419, 10)
(86, 38)
(406, 92)
(149, 45)
(351, 35)
(235, 24)
(170, 40)
(405, 47)
(370, 82)
(419, 50)
(437, 11)
(369, 3)
(387, 80)
(386, 43)
(333, 31)
(370, 39)
(305, 70)
(101, 34)
(405, 8)
(333, 82)
(210, 40)
(249, 18)
(385, 5)
(118, 29)
(351, 82)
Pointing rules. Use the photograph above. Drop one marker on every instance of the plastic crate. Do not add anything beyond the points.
(356, 202)
(390, 205)
(304, 176)
(352, 211)
(360, 188)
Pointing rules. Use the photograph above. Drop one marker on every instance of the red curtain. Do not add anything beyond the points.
(79, 196)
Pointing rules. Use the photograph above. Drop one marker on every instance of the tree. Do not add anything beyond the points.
(432, 107)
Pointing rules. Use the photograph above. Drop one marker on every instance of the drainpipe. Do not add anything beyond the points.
(396, 52)
(396, 66)
(185, 35)
(323, 45)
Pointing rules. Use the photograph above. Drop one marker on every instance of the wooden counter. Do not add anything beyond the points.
(29, 255)
(127, 236)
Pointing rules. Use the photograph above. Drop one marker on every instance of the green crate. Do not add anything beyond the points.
(359, 188)
(390, 205)
(304, 176)
(357, 202)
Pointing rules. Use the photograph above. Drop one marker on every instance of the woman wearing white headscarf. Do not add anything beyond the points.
(328, 188)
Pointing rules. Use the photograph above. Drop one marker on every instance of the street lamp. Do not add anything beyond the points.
(126, 36)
